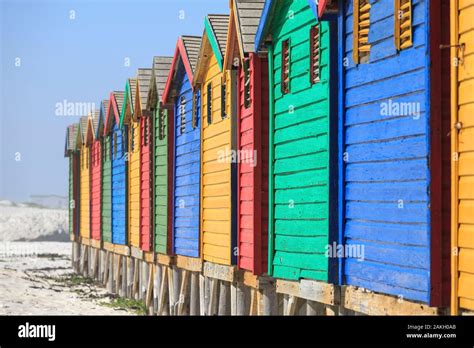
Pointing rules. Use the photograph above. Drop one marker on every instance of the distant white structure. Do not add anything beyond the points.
(50, 201)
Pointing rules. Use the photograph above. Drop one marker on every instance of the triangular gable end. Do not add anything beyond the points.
(185, 52)
(143, 86)
(213, 42)
(67, 142)
(128, 108)
(158, 78)
(104, 105)
(114, 108)
(216, 27)
(243, 25)
(94, 122)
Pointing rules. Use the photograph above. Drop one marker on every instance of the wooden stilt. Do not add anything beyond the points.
(149, 290)
(176, 288)
(291, 305)
(124, 276)
(136, 279)
(110, 278)
(172, 299)
(202, 295)
(213, 297)
(194, 296)
(144, 280)
(270, 305)
(224, 293)
(182, 292)
(130, 263)
(253, 302)
(315, 308)
(118, 272)
(156, 288)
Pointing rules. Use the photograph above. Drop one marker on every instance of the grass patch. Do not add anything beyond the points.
(128, 304)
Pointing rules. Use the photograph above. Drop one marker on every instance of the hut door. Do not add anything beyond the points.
(462, 50)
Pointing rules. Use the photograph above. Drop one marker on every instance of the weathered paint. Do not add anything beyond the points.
(71, 151)
(85, 138)
(106, 176)
(252, 136)
(396, 163)
(185, 172)
(462, 41)
(118, 145)
(96, 179)
(143, 142)
(302, 140)
(218, 229)
(129, 118)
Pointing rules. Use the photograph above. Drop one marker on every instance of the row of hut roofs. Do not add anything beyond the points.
(315, 92)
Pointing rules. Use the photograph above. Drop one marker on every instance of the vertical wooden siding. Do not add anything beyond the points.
(387, 172)
(464, 107)
(76, 191)
(119, 186)
(85, 192)
(216, 188)
(253, 182)
(134, 184)
(161, 185)
(71, 195)
(106, 189)
(96, 189)
(300, 220)
(187, 169)
(145, 184)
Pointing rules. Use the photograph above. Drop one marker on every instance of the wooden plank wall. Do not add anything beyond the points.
(216, 190)
(187, 173)
(387, 172)
(146, 240)
(253, 177)
(465, 110)
(96, 169)
(107, 190)
(119, 185)
(161, 185)
(134, 183)
(85, 192)
(300, 218)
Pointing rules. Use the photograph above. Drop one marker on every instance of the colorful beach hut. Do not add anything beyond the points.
(143, 142)
(96, 175)
(72, 153)
(182, 112)
(395, 150)
(129, 118)
(118, 145)
(218, 170)
(302, 215)
(252, 134)
(156, 171)
(84, 139)
(106, 175)
(462, 97)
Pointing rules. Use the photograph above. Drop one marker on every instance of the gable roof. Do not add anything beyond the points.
(324, 7)
(159, 75)
(71, 136)
(99, 130)
(186, 52)
(85, 130)
(143, 87)
(214, 41)
(94, 116)
(271, 7)
(243, 23)
(129, 98)
(115, 105)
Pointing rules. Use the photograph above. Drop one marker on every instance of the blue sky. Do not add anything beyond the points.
(77, 59)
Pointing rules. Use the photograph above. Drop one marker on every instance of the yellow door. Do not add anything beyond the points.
(85, 192)
(134, 184)
(216, 168)
(462, 51)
